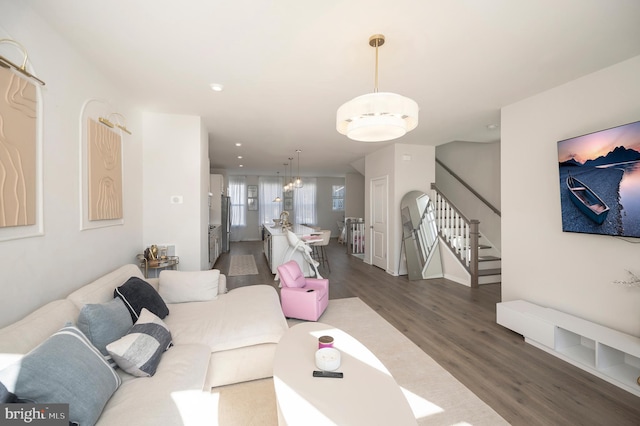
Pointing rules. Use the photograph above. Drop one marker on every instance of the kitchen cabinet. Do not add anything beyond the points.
(216, 189)
(215, 244)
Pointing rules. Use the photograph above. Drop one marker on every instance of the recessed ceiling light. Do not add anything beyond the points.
(238, 144)
(216, 87)
(239, 157)
(241, 165)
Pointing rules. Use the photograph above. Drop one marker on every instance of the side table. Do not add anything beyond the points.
(170, 262)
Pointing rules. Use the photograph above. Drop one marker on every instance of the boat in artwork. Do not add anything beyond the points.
(587, 201)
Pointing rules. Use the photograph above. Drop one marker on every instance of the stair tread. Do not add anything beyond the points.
(485, 272)
(487, 258)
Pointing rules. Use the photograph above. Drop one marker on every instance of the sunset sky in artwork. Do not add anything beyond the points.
(594, 145)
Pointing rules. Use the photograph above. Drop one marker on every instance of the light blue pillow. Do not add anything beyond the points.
(66, 369)
(105, 323)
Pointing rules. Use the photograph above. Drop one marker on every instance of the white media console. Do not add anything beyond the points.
(606, 353)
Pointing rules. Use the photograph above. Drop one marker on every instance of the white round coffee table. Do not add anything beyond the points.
(367, 394)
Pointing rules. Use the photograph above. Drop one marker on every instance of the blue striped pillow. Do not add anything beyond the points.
(67, 369)
(139, 351)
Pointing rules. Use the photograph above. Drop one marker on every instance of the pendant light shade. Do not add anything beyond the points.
(277, 199)
(298, 182)
(377, 116)
(289, 186)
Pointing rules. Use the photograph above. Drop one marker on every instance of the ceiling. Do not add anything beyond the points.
(287, 65)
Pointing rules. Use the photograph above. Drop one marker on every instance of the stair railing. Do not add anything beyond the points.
(458, 232)
(469, 188)
(355, 235)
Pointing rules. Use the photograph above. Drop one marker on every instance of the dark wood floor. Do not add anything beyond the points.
(456, 326)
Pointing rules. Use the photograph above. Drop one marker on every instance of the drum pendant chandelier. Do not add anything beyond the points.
(377, 116)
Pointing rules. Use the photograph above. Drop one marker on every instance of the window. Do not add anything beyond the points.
(238, 195)
(304, 202)
(269, 189)
(338, 197)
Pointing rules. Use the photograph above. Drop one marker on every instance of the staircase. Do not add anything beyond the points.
(489, 266)
(464, 240)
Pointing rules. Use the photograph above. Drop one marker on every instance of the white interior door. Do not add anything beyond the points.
(378, 223)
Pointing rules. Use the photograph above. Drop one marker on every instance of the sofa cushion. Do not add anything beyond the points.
(139, 351)
(137, 294)
(222, 284)
(24, 335)
(104, 323)
(65, 368)
(170, 397)
(188, 286)
(101, 290)
(245, 316)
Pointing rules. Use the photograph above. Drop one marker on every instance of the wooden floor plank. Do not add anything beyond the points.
(456, 326)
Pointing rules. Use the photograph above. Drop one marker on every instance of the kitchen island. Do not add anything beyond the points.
(276, 247)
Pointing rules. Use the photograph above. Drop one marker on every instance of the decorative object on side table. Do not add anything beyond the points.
(325, 342)
(328, 359)
(155, 257)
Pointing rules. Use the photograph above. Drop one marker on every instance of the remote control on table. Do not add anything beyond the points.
(331, 374)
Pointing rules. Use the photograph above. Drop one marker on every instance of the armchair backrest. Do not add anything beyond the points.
(291, 275)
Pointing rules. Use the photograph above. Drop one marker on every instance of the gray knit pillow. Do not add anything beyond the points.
(139, 351)
(104, 323)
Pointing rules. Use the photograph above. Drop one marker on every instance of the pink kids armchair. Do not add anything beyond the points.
(302, 298)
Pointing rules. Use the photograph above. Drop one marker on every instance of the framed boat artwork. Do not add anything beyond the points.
(599, 177)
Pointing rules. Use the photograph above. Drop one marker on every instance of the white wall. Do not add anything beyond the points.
(570, 272)
(478, 164)
(39, 269)
(176, 164)
(327, 218)
(412, 169)
(354, 195)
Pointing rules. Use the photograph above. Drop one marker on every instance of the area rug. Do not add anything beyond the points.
(436, 397)
(242, 264)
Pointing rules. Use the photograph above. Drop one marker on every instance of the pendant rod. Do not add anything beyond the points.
(376, 41)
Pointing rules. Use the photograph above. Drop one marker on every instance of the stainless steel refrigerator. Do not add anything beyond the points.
(225, 221)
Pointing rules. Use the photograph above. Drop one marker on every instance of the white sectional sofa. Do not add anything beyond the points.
(228, 339)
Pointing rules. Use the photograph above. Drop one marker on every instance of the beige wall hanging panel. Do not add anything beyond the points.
(17, 150)
(20, 145)
(102, 134)
(105, 172)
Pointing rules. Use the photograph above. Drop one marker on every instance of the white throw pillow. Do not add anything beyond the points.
(188, 286)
